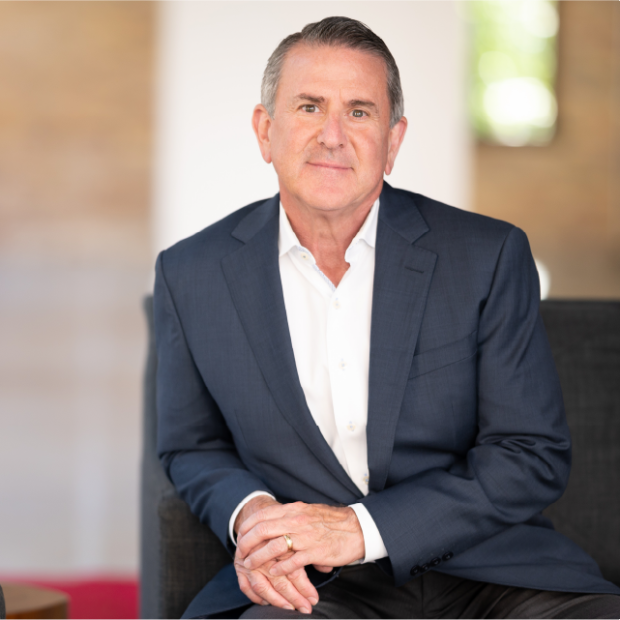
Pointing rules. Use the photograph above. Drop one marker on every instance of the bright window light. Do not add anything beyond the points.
(513, 70)
(544, 278)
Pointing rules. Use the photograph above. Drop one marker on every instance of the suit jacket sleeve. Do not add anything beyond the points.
(521, 458)
(193, 441)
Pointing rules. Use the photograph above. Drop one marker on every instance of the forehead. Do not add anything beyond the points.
(332, 69)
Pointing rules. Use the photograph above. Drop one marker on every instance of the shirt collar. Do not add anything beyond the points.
(287, 239)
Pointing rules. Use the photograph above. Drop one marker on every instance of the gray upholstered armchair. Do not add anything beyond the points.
(179, 554)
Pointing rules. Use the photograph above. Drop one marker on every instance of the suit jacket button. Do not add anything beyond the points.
(424, 567)
(415, 570)
(435, 561)
(447, 556)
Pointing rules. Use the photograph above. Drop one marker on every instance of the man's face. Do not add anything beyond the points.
(330, 139)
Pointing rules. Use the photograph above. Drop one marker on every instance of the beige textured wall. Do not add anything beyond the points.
(566, 196)
(75, 102)
(75, 140)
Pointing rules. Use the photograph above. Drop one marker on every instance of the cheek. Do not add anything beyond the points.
(371, 152)
(287, 152)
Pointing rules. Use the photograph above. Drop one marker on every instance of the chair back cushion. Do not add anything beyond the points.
(585, 340)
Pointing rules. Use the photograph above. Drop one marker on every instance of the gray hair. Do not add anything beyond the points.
(335, 31)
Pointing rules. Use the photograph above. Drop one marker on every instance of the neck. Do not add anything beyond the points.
(327, 233)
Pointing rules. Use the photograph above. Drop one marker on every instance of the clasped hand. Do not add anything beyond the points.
(322, 535)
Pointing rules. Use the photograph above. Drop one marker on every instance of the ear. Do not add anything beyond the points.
(261, 123)
(395, 139)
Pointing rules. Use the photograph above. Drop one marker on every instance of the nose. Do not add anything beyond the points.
(332, 134)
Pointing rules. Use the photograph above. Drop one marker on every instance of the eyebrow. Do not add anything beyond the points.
(312, 98)
(359, 103)
(354, 103)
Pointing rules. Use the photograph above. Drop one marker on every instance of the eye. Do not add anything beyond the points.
(309, 107)
(358, 113)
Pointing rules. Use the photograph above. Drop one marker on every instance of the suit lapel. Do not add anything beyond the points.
(403, 273)
(253, 277)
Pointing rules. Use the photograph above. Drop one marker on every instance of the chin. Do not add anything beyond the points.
(329, 198)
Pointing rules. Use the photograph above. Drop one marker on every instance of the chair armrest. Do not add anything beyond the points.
(191, 555)
(2, 605)
(178, 554)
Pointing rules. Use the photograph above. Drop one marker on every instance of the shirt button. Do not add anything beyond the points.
(351, 426)
(304, 256)
(365, 479)
(337, 304)
(342, 365)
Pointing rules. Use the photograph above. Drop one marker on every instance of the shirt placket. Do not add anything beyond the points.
(344, 375)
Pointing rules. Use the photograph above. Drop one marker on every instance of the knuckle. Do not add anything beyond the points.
(297, 506)
(260, 587)
(280, 585)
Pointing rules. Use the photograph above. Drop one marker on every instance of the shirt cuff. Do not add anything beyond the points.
(375, 549)
(242, 503)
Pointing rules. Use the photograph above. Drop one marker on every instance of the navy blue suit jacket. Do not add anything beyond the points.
(467, 437)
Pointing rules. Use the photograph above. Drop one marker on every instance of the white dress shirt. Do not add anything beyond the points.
(330, 334)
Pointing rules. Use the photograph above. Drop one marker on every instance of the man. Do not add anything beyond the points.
(354, 381)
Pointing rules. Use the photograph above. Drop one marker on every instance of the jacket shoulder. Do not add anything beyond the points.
(458, 222)
(210, 244)
(462, 238)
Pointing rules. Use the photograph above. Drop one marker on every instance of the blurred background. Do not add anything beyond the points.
(125, 126)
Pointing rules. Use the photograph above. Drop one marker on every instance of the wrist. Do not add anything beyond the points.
(359, 546)
(374, 548)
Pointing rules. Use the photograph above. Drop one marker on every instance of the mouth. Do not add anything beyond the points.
(329, 166)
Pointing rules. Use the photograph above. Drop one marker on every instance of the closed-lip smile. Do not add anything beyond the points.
(328, 165)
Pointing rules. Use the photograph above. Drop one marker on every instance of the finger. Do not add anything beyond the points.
(262, 588)
(304, 586)
(295, 562)
(273, 549)
(246, 588)
(272, 511)
(285, 588)
(323, 569)
(265, 530)
(279, 592)
(239, 560)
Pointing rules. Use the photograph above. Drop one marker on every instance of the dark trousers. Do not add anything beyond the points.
(367, 592)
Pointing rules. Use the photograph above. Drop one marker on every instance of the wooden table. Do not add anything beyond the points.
(23, 601)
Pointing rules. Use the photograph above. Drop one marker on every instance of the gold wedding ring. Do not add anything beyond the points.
(289, 542)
